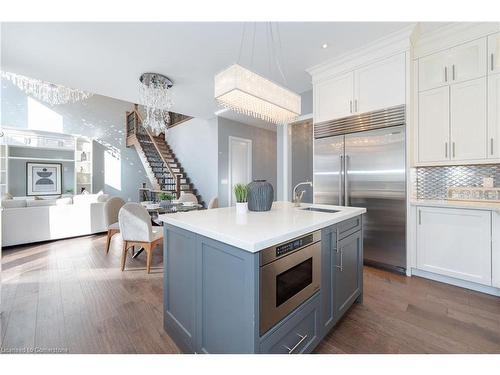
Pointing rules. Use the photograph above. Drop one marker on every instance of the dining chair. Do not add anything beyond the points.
(136, 230)
(111, 209)
(187, 197)
(214, 203)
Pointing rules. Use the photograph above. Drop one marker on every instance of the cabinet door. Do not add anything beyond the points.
(380, 85)
(468, 120)
(348, 272)
(455, 243)
(494, 116)
(494, 53)
(328, 263)
(468, 61)
(434, 125)
(495, 250)
(433, 71)
(333, 98)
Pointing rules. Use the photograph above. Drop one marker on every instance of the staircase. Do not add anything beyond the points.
(162, 167)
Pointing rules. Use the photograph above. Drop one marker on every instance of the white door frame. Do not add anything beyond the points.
(229, 173)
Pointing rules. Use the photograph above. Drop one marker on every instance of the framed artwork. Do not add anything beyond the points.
(43, 178)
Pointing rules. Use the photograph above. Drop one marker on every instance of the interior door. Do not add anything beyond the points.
(494, 116)
(327, 170)
(380, 85)
(494, 53)
(434, 125)
(240, 164)
(468, 120)
(468, 61)
(376, 179)
(333, 98)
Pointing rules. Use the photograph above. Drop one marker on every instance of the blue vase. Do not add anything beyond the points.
(260, 195)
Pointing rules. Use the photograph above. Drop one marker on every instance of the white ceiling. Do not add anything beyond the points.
(108, 58)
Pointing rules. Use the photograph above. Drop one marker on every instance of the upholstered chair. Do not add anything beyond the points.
(214, 203)
(188, 197)
(136, 230)
(111, 209)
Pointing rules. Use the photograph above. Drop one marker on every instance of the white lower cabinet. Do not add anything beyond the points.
(455, 243)
(495, 250)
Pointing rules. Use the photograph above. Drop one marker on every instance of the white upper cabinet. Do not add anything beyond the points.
(434, 125)
(468, 120)
(333, 98)
(468, 61)
(494, 53)
(380, 85)
(494, 116)
(433, 71)
(455, 242)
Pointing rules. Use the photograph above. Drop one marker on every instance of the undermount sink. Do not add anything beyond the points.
(318, 209)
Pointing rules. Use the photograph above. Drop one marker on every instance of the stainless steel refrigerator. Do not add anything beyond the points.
(360, 162)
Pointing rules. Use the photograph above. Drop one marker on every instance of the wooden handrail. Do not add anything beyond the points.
(175, 176)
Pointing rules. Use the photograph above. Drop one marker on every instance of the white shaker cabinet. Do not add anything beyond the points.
(495, 250)
(455, 243)
(380, 85)
(467, 61)
(494, 53)
(433, 71)
(333, 98)
(494, 116)
(434, 125)
(468, 124)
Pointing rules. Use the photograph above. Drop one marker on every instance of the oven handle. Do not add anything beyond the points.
(302, 338)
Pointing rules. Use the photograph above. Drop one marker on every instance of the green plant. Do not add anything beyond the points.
(164, 196)
(241, 192)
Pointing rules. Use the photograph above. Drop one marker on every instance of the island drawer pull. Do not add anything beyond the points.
(341, 267)
(302, 338)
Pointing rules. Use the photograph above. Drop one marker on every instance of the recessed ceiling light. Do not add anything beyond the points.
(324, 45)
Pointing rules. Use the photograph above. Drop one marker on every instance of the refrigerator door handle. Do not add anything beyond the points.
(340, 179)
(346, 186)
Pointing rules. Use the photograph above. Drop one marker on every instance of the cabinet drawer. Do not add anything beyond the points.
(349, 227)
(296, 334)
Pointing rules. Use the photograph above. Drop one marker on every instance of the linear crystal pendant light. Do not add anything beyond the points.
(45, 91)
(243, 91)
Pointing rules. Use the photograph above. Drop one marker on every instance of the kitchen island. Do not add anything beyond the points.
(261, 282)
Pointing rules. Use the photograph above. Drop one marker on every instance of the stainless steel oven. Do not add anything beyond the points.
(290, 273)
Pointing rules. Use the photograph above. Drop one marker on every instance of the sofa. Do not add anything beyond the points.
(33, 220)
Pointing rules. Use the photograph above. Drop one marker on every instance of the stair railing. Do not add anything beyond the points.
(177, 177)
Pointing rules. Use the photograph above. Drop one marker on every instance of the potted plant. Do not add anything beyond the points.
(165, 199)
(241, 193)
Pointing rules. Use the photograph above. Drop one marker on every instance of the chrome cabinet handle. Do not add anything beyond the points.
(446, 149)
(355, 105)
(340, 179)
(491, 60)
(350, 106)
(453, 72)
(446, 74)
(302, 338)
(419, 217)
(491, 146)
(453, 146)
(341, 266)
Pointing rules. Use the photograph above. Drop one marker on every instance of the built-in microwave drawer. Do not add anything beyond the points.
(348, 227)
(298, 333)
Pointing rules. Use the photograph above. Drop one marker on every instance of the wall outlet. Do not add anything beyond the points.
(488, 182)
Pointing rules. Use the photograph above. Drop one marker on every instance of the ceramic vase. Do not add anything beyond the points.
(260, 195)
(241, 207)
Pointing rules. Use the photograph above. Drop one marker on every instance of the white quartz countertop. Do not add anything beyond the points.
(255, 231)
(490, 206)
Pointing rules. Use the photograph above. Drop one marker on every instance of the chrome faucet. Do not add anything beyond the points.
(297, 197)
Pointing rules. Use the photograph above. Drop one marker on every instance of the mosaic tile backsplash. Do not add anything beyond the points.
(433, 182)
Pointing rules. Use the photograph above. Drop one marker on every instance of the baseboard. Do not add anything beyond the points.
(457, 282)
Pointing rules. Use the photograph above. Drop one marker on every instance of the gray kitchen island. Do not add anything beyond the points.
(261, 282)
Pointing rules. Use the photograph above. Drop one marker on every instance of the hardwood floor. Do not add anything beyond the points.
(69, 296)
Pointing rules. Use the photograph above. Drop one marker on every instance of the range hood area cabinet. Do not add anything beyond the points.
(458, 118)
(374, 86)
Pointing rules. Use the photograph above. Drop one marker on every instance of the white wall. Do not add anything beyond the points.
(195, 143)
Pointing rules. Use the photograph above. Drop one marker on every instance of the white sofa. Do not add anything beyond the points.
(27, 220)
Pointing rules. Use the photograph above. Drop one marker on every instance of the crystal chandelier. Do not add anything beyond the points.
(157, 101)
(45, 91)
(243, 91)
